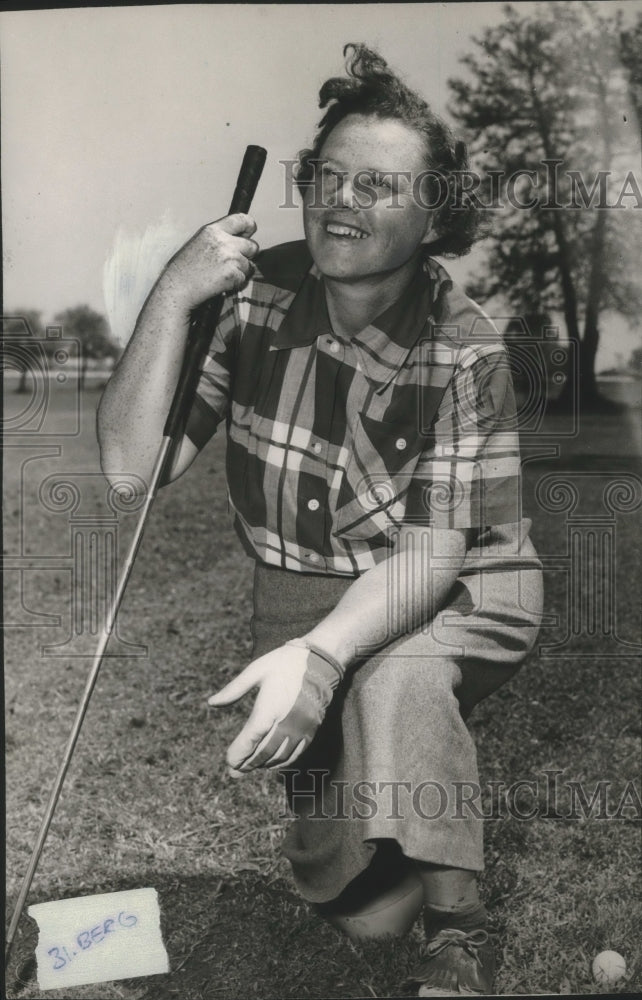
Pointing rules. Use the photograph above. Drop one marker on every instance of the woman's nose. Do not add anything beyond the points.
(344, 194)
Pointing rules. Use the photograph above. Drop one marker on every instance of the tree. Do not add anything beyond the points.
(24, 340)
(530, 349)
(631, 58)
(635, 361)
(549, 115)
(92, 331)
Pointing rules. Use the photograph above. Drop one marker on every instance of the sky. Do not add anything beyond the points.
(126, 117)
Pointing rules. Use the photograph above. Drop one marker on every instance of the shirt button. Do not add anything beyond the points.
(316, 448)
(313, 557)
(400, 444)
(313, 505)
(334, 347)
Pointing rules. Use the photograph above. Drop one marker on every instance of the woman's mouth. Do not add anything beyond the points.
(344, 231)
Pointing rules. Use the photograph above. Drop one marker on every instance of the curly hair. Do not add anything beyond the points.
(371, 88)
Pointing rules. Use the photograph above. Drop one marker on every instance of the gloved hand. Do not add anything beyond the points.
(296, 685)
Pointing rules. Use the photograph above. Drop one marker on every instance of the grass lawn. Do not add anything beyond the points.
(147, 801)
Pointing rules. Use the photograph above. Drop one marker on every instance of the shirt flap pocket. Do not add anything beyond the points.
(376, 479)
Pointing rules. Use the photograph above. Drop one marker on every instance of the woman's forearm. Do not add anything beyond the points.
(135, 403)
(395, 597)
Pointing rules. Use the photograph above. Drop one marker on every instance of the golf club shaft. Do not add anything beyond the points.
(110, 619)
(201, 332)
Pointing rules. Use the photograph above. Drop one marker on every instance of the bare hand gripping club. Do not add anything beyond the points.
(205, 318)
(201, 330)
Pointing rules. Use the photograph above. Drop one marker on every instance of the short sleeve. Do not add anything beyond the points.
(213, 390)
(469, 477)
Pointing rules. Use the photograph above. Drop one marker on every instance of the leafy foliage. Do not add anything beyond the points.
(90, 328)
(28, 343)
(548, 105)
(24, 339)
(92, 332)
(635, 361)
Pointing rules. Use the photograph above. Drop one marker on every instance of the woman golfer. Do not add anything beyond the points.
(373, 470)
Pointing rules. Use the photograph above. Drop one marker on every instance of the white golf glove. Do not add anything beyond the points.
(296, 684)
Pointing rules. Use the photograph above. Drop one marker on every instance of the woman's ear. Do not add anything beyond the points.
(430, 229)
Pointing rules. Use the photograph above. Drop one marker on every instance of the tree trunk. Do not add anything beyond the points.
(589, 396)
(565, 400)
(584, 386)
(588, 386)
(22, 384)
(569, 295)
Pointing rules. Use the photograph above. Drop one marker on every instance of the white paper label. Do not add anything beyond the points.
(93, 939)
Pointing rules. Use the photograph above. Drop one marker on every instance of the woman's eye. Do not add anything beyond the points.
(381, 181)
(331, 177)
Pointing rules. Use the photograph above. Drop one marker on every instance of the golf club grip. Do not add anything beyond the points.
(204, 319)
(248, 179)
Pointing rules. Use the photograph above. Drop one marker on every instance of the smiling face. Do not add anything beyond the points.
(360, 218)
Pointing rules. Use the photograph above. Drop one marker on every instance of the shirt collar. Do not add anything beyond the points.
(383, 345)
(307, 316)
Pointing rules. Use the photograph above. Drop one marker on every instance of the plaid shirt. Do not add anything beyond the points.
(333, 445)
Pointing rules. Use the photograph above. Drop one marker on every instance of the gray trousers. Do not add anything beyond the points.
(393, 760)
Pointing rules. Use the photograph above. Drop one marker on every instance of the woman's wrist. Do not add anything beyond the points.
(319, 663)
(330, 645)
(173, 294)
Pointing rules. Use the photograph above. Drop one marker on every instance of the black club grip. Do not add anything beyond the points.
(205, 317)
(249, 176)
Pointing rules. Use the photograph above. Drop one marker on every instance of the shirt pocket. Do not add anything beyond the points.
(376, 478)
